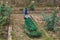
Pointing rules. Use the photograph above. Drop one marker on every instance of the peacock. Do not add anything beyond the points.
(31, 28)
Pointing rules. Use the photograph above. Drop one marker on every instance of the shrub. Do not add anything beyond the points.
(5, 12)
(51, 21)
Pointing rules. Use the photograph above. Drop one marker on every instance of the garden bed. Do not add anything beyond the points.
(18, 24)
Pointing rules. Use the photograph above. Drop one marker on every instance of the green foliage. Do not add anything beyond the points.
(3, 20)
(32, 6)
(51, 21)
(31, 27)
(5, 11)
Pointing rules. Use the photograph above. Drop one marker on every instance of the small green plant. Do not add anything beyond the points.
(32, 6)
